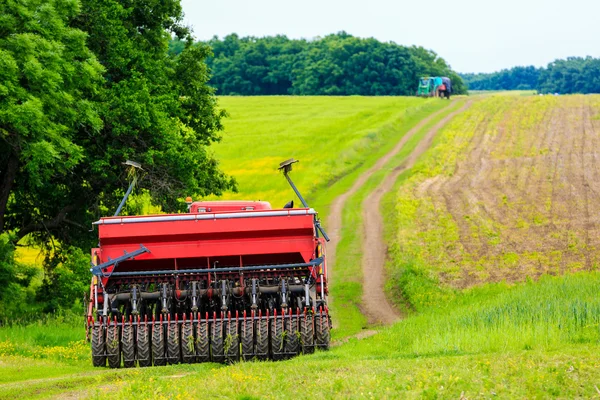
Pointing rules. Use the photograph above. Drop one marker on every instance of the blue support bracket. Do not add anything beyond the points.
(97, 269)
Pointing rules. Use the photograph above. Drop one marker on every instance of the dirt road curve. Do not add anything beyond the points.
(375, 304)
(334, 222)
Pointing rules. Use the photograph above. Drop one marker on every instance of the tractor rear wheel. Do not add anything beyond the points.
(262, 339)
(113, 351)
(98, 346)
(292, 347)
(307, 331)
(173, 349)
(202, 342)
(128, 346)
(158, 344)
(247, 340)
(187, 343)
(276, 340)
(232, 342)
(143, 346)
(322, 327)
(216, 342)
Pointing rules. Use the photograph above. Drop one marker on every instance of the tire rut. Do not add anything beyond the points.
(376, 306)
(334, 221)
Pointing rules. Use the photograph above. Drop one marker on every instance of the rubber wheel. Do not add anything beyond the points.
(307, 332)
(262, 339)
(216, 342)
(128, 346)
(113, 350)
(247, 340)
(276, 339)
(158, 344)
(187, 343)
(143, 354)
(232, 342)
(202, 342)
(292, 340)
(173, 342)
(322, 328)
(98, 346)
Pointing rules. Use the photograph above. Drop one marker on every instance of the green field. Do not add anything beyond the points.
(533, 337)
(331, 136)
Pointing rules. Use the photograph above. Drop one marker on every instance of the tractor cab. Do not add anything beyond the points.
(426, 86)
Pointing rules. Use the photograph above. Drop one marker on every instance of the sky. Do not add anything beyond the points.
(471, 35)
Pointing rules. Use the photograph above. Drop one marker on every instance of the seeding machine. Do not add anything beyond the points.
(227, 280)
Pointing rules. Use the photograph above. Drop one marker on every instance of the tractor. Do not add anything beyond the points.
(435, 87)
(223, 282)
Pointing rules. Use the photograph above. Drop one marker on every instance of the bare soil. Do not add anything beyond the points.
(334, 226)
(523, 196)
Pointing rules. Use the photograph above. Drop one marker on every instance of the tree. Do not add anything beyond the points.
(84, 88)
(338, 64)
(47, 78)
(517, 78)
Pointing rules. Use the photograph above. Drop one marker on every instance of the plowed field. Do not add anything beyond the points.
(509, 191)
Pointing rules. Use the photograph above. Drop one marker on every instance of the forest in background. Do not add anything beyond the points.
(338, 65)
(570, 76)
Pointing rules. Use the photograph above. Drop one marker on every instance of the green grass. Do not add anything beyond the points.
(535, 339)
(333, 137)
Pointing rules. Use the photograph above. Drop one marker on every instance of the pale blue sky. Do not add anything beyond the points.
(472, 35)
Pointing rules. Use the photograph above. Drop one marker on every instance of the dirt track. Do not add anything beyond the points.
(376, 306)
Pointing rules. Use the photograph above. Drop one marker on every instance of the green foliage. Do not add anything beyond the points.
(157, 108)
(16, 296)
(337, 64)
(517, 78)
(67, 145)
(84, 86)
(572, 75)
(66, 280)
(48, 78)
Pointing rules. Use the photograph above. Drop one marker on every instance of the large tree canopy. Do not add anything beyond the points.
(84, 87)
(47, 80)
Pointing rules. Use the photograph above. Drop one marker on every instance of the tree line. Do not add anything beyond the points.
(568, 76)
(337, 64)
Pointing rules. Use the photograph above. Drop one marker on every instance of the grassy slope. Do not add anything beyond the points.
(535, 339)
(333, 137)
(353, 133)
(529, 340)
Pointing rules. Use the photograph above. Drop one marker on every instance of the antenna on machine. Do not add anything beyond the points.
(132, 174)
(286, 167)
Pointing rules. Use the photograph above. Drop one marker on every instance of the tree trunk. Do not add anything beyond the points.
(7, 179)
